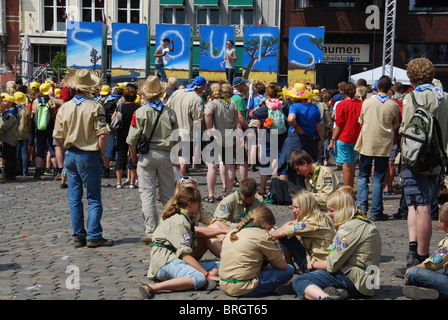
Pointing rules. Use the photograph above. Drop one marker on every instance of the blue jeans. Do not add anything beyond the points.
(22, 150)
(296, 250)
(270, 279)
(84, 168)
(160, 68)
(365, 171)
(422, 277)
(110, 149)
(177, 268)
(324, 279)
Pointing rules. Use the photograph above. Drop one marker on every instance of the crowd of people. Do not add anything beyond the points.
(76, 130)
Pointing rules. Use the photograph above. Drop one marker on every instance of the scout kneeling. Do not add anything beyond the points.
(428, 280)
(175, 238)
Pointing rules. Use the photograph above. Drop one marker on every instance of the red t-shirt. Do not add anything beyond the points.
(347, 115)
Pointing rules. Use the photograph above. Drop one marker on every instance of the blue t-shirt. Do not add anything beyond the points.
(307, 115)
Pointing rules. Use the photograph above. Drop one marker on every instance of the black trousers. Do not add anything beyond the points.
(9, 161)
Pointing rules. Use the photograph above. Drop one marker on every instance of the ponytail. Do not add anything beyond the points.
(260, 217)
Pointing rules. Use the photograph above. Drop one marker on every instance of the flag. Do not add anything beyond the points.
(103, 12)
(260, 20)
(250, 100)
(63, 10)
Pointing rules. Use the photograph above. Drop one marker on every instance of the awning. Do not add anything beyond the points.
(208, 3)
(172, 2)
(241, 3)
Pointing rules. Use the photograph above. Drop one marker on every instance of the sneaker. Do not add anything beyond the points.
(333, 292)
(145, 240)
(119, 186)
(285, 288)
(63, 186)
(411, 259)
(101, 242)
(133, 186)
(420, 293)
(209, 285)
(37, 175)
(79, 242)
(380, 217)
(48, 172)
(58, 176)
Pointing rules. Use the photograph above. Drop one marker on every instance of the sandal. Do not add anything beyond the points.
(210, 199)
(220, 198)
(146, 291)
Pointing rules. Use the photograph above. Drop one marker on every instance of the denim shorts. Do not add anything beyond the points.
(177, 268)
(345, 152)
(416, 187)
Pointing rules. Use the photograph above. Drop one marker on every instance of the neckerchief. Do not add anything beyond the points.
(438, 92)
(251, 225)
(13, 112)
(183, 213)
(237, 92)
(225, 102)
(314, 177)
(274, 104)
(361, 217)
(112, 97)
(95, 98)
(79, 99)
(244, 212)
(382, 97)
(158, 105)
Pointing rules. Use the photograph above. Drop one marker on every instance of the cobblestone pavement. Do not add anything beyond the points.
(37, 256)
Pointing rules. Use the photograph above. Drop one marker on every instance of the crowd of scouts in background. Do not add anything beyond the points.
(330, 242)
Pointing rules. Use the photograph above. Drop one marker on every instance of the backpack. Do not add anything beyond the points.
(117, 122)
(109, 108)
(422, 147)
(43, 115)
(279, 192)
(278, 116)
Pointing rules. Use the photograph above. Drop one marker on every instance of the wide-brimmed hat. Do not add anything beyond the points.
(239, 80)
(83, 80)
(153, 88)
(299, 91)
(8, 98)
(34, 85)
(45, 88)
(20, 98)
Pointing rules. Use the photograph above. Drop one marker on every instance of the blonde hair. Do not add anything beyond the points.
(260, 217)
(361, 92)
(181, 200)
(344, 205)
(215, 91)
(227, 90)
(308, 207)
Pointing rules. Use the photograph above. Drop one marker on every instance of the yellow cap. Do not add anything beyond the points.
(4, 94)
(120, 86)
(20, 98)
(9, 98)
(105, 90)
(49, 81)
(45, 88)
(34, 85)
(57, 92)
(138, 100)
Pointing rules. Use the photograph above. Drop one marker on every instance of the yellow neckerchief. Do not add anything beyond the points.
(225, 102)
(362, 217)
(314, 177)
(193, 231)
(244, 213)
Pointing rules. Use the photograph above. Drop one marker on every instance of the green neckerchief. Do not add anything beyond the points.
(251, 225)
(244, 213)
(361, 217)
(193, 231)
(314, 178)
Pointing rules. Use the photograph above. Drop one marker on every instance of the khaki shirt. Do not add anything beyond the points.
(175, 232)
(145, 118)
(322, 183)
(81, 125)
(378, 121)
(439, 259)
(243, 259)
(325, 114)
(356, 246)
(231, 210)
(10, 126)
(224, 117)
(188, 107)
(316, 235)
(25, 125)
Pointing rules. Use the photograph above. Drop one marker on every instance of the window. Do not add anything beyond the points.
(54, 15)
(307, 4)
(242, 17)
(437, 53)
(128, 11)
(207, 16)
(173, 15)
(92, 10)
(43, 54)
(425, 5)
(341, 4)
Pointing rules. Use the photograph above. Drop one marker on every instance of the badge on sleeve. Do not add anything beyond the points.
(223, 207)
(437, 258)
(296, 227)
(186, 236)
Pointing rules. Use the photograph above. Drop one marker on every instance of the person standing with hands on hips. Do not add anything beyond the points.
(229, 62)
(162, 59)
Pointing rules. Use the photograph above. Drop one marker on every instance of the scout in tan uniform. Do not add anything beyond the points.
(320, 180)
(9, 133)
(81, 129)
(25, 128)
(312, 227)
(244, 251)
(175, 238)
(356, 250)
(428, 280)
(236, 206)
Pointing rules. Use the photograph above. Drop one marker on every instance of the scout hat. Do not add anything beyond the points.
(298, 91)
(153, 88)
(105, 90)
(20, 98)
(45, 88)
(34, 85)
(84, 80)
(239, 80)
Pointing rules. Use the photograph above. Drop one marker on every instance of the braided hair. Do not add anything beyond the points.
(260, 217)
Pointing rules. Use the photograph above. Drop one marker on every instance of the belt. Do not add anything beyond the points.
(171, 248)
(235, 280)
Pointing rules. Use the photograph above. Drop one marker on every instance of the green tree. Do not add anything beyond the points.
(59, 63)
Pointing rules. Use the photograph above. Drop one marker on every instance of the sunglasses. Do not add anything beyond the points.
(186, 178)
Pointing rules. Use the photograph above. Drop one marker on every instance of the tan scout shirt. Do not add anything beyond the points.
(81, 125)
(231, 210)
(225, 116)
(243, 259)
(439, 259)
(145, 118)
(322, 183)
(10, 129)
(188, 107)
(178, 237)
(356, 246)
(316, 235)
(327, 123)
(378, 121)
(25, 123)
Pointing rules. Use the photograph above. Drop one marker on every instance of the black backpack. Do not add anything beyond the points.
(109, 108)
(279, 192)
